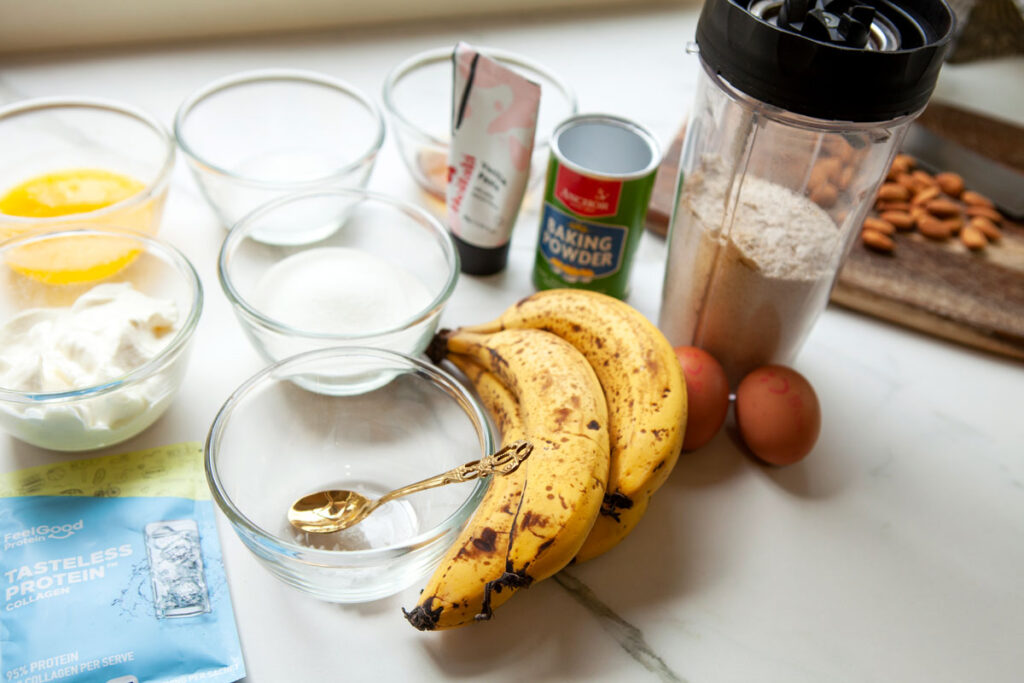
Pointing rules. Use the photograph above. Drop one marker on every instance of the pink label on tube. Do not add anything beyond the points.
(494, 118)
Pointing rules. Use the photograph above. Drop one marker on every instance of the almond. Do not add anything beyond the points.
(919, 214)
(825, 195)
(973, 238)
(831, 167)
(831, 145)
(904, 162)
(923, 179)
(907, 181)
(934, 229)
(879, 225)
(988, 212)
(972, 198)
(846, 152)
(893, 192)
(817, 177)
(943, 208)
(876, 241)
(926, 195)
(951, 183)
(901, 220)
(986, 227)
(892, 206)
(846, 177)
(954, 224)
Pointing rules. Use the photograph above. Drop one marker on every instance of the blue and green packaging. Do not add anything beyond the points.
(111, 570)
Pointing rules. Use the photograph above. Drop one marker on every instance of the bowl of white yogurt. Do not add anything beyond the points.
(378, 277)
(95, 329)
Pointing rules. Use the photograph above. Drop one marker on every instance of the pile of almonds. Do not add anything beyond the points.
(938, 207)
(834, 172)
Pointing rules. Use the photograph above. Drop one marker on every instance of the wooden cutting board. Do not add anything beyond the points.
(942, 289)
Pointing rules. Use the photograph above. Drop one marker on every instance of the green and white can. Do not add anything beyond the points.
(599, 183)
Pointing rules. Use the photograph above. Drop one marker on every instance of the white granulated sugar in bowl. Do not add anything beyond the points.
(746, 283)
(340, 290)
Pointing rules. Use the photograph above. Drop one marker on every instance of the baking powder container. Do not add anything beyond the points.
(800, 107)
(599, 184)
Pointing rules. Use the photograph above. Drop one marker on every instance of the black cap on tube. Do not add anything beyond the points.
(844, 60)
(476, 260)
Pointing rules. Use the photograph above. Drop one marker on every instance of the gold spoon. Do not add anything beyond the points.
(325, 512)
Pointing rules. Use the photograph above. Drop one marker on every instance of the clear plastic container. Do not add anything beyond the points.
(769, 204)
(776, 179)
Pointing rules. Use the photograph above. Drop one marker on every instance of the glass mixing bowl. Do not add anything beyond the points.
(258, 135)
(418, 99)
(277, 438)
(54, 135)
(378, 274)
(48, 271)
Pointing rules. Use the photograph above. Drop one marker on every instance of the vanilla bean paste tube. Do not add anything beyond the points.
(494, 118)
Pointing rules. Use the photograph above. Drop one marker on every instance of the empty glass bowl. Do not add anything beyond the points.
(275, 440)
(86, 161)
(418, 99)
(43, 275)
(371, 270)
(259, 135)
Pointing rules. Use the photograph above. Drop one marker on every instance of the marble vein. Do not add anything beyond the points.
(629, 637)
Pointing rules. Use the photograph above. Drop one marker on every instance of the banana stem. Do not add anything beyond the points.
(437, 349)
(512, 580)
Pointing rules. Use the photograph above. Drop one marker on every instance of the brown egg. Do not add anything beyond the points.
(707, 395)
(778, 414)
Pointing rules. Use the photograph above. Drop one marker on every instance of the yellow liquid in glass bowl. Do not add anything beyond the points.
(63, 193)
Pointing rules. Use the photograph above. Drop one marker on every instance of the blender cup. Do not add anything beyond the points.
(800, 107)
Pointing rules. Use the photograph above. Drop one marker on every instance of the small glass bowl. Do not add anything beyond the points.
(418, 99)
(48, 135)
(295, 298)
(274, 441)
(108, 413)
(259, 135)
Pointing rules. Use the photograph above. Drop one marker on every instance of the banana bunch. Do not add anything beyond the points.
(599, 392)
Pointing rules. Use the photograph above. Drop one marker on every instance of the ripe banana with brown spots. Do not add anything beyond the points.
(566, 420)
(643, 385)
(455, 594)
(609, 529)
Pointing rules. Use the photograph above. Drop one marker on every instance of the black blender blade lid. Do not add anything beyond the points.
(847, 60)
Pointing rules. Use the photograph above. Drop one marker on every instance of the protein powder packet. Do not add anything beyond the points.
(112, 571)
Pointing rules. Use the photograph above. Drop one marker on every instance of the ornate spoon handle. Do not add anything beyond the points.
(502, 462)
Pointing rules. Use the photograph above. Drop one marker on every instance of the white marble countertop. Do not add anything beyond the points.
(894, 552)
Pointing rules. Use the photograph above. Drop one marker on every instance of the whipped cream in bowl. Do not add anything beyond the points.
(95, 328)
